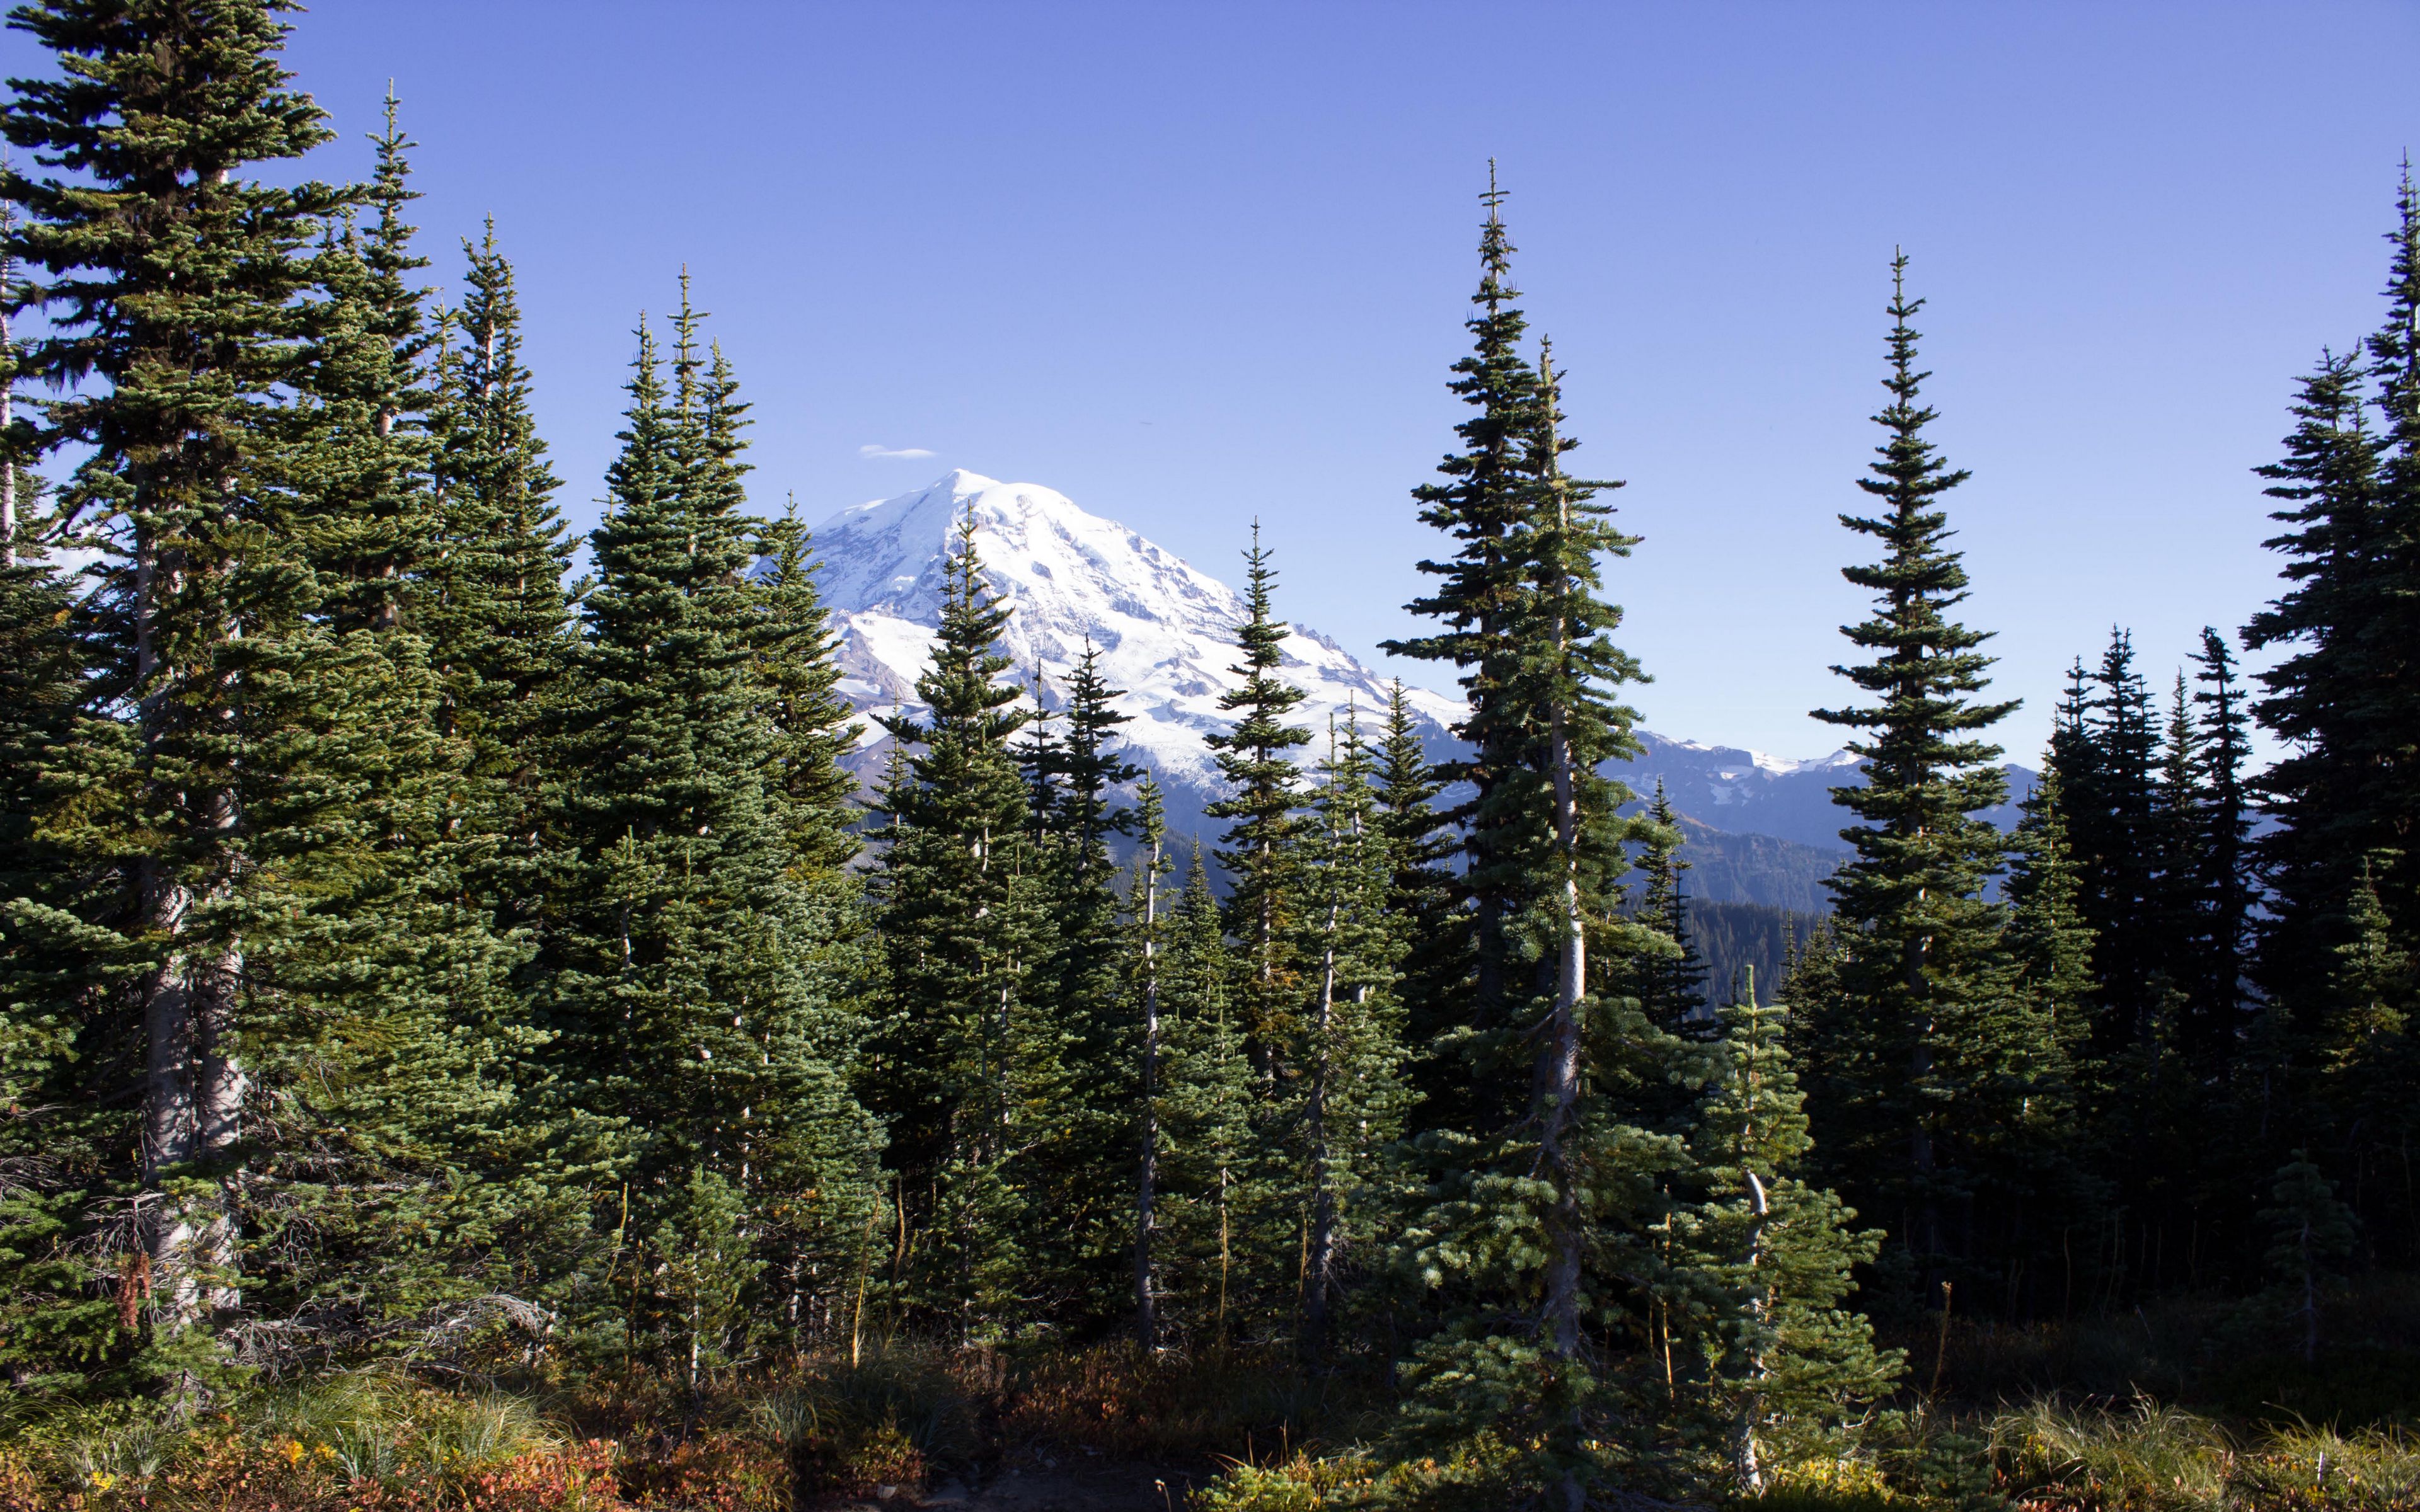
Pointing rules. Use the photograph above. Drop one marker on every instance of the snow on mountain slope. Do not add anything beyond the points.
(1749, 792)
(1164, 629)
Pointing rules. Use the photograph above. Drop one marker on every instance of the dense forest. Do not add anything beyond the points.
(466, 1041)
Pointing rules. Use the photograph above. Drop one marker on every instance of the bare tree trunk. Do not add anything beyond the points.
(1147, 1169)
(1558, 1076)
(193, 1115)
(193, 1092)
(1919, 1071)
(1747, 1468)
(1319, 1259)
(1558, 1071)
(7, 419)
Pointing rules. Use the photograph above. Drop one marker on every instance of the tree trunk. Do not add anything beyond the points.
(1557, 1077)
(1319, 1268)
(7, 419)
(193, 1092)
(1747, 1470)
(1147, 1170)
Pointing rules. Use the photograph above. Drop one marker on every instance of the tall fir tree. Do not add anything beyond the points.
(1349, 1054)
(1921, 971)
(2228, 885)
(2391, 652)
(2342, 699)
(1079, 990)
(1479, 504)
(956, 908)
(812, 724)
(681, 975)
(363, 511)
(493, 605)
(1255, 759)
(177, 294)
(1534, 1230)
(1216, 1172)
(417, 1099)
(2114, 823)
(1421, 904)
(2049, 943)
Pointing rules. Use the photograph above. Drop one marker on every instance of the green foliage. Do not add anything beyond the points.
(1259, 856)
(1786, 1362)
(1532, 1233)
(1220, 1273)
(2310, 1234)
(687, 966)
(964, 1054)
(407, 959)
(1927, 1060)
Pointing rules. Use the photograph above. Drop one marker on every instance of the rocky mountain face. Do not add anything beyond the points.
(1765, 830)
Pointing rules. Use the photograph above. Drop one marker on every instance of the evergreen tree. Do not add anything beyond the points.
(2368, 1057)
(2046, 1170)
(395, 1194)
(1254, 759)
(957, 909)
(1533, 1230)
(62, 1049)
(682, 974)
(1350, 1049)
(1785, 1363)
(2319, 697)
(2226, 886)
(1150, 946)
(1422, 902)
(813, 726)
(2115, 826)
(1481, 504)
(493, 607)
(2049, 943)
(362, 508)
(1920, 970)
(2179, 829)
(1078, 987)
(178, 322)
(2311, 1233)
(1671, 987)
(2389, 651)
(1215, 1173)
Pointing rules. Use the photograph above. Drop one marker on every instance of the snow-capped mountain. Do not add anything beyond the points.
(1165, 630)
(1747, 792)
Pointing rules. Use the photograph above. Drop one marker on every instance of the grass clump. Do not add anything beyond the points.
(894, 1419)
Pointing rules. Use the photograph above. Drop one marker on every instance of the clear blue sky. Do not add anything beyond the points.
(1194, 263)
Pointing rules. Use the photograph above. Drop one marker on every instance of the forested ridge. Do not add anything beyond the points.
(442, 997)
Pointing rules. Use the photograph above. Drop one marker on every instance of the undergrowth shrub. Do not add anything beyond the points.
(344, 1444)
(1237, 1404)
(894, 1419)
(717, 1471)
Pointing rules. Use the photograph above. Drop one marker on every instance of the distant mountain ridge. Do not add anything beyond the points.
(1766, 832)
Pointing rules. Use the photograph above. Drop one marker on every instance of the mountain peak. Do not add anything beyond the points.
(1165, 631)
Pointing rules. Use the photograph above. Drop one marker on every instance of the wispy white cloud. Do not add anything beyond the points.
(908, 452)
